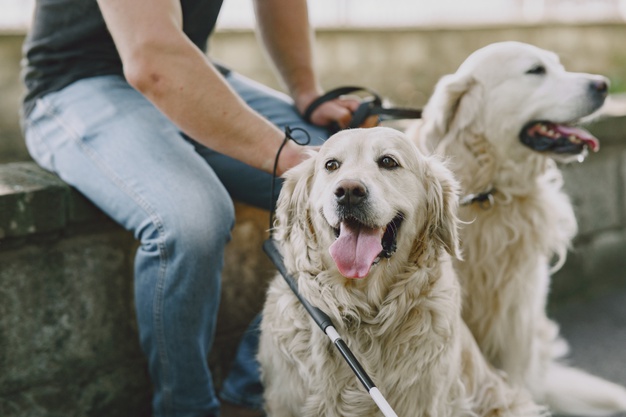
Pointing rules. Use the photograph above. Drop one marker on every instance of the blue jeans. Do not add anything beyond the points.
(106, 140)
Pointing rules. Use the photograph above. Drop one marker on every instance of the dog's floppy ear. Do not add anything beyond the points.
(442, 197)
(453, 105)
(293, 221)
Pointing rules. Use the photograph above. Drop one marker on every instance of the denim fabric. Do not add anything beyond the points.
(105, 139)
(242, 386)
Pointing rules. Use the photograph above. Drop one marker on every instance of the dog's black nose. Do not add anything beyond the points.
(350, 192)
(599, 87)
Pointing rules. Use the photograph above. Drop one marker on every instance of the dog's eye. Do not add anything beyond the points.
(537, 70)
(388, 162)
(332, 165)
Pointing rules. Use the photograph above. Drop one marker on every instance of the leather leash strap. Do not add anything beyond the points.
(371, 106)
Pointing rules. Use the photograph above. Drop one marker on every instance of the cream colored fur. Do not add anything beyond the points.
(473, 119)
(402, 321)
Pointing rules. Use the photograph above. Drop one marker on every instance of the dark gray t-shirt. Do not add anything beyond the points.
(69, 41)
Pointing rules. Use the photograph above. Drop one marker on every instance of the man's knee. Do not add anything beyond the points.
(198, 227)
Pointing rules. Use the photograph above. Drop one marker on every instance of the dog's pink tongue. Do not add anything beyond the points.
(582, 135)
(355, 249)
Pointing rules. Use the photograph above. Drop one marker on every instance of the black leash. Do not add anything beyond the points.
(373, 106)
(370, 106)
(288, 137)
(321, 319)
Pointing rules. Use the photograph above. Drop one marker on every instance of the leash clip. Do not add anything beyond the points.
(485, 200)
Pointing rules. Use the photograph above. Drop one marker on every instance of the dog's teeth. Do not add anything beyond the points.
(574, 139)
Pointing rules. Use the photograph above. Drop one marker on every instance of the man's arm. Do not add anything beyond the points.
(166, 67)
(288, 38)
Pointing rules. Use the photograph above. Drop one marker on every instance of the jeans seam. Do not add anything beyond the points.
(35, 128)
(158, 223)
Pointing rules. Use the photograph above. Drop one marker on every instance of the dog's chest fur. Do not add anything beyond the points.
(406, 344)
(508, 249)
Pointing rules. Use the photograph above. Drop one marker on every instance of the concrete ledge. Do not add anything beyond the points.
(33, 201)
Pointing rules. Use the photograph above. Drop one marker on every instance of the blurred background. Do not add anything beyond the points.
(368, 13)
(399, 49)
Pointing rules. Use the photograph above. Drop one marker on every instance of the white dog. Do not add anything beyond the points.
(367, 228)
(502, 120)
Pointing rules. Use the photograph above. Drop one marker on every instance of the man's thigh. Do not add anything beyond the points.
(105, 139)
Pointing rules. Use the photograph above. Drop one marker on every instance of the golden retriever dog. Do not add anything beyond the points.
(501, 121)
(367, 227)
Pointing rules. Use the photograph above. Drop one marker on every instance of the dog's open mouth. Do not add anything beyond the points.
(544, 136)
(358, 246)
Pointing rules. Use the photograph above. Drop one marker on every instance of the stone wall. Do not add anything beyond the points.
(11, 143)
(402, 65)
(68, 340)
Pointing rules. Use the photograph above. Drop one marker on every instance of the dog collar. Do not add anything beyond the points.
(484, 200)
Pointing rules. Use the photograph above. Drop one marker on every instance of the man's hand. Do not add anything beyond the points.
(339, 110)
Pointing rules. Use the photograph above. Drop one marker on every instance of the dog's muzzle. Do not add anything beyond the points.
(562, 138)
(360, 242)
